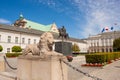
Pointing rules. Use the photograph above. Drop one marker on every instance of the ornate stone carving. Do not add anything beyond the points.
(44, 47)
(20, 23)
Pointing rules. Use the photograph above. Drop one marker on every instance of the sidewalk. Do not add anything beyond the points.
(7, 76)
(109, 72)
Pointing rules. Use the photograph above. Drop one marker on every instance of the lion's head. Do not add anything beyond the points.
(46, 41)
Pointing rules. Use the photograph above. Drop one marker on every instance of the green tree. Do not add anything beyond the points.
(116, 44)
(1, 48)
(16, 49)
(75, 48)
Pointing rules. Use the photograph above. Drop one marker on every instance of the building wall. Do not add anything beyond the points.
(4, 39)
(102, 42)
(8, 45)
(83, 46)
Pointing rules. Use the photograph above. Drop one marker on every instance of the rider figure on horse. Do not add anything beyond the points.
(63, 29)
(62, 33)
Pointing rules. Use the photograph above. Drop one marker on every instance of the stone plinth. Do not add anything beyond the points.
(63, 47)
(41, 68)
(2, 62)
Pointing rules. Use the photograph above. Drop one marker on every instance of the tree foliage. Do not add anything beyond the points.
(116, 44)
(75, 48)
(1, 48)
(16, 49)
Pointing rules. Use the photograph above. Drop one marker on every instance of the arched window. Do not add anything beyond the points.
(110, 50)
(106, 49)
(102, 50)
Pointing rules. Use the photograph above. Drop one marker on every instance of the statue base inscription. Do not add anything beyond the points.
(47, 67)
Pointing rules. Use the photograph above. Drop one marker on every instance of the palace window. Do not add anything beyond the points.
(110, 50)
(102, 50)
(29, 41)
(23, 40)
(34, 41)
(106, 49)
(16, 39)
(8, 50)
(9, 39)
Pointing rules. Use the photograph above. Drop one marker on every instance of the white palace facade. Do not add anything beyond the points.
(102, 42)
(22, 34)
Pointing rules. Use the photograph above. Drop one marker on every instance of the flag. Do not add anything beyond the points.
(103, 29)
(112, 28)
(106, 28)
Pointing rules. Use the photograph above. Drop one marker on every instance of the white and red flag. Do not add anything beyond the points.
(106, 28)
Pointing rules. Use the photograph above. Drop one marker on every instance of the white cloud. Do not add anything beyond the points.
(4, 21)
(62, 6)
(99, 14)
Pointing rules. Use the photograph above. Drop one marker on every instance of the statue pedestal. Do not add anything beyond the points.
(37, 68)
(2, 62)
(64, 48)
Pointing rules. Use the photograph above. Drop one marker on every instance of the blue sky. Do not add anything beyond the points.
(81, 18)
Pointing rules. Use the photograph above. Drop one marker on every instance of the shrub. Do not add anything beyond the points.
(101, 57)
(13, 54)
(16, 49)
(1, 48)
(93, 58)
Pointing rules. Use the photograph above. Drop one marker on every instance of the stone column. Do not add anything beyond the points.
(38, 68)
(2, 62)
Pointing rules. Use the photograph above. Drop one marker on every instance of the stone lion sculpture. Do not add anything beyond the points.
(45, 45)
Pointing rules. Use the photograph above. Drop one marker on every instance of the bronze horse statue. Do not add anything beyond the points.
(62, 33)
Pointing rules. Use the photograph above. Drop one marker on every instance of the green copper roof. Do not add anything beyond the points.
(38, 26)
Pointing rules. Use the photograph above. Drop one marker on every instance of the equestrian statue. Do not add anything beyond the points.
(62, 33)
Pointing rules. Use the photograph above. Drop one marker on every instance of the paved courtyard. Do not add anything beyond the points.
(108, 72)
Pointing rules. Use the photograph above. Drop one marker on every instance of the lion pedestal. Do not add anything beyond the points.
(46, 65)
(36, 68)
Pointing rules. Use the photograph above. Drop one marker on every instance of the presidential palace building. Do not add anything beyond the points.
(24, 32)
(102, 42)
